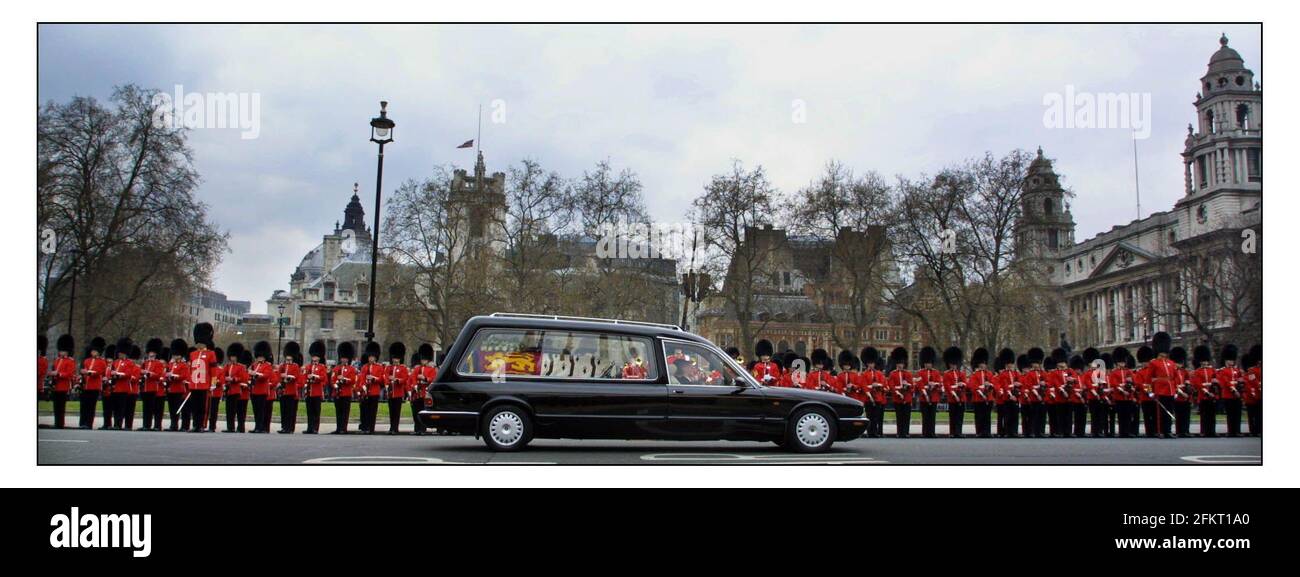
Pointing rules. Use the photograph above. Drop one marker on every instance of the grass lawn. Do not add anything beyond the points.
(326, 411)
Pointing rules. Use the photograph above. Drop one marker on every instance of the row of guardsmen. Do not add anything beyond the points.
(1035, 395)
(192, 382)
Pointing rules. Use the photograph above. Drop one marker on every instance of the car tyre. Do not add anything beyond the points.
(506, 428)
(810, 430)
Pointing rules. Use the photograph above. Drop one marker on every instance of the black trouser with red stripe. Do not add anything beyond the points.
(88, 400)
(110, 406)
(1008, 419)
(1097, 414)
(259, 406)
(60, 401)
(288, 413)
(1233, 408)
(394, 414)
(1149, 424)
(903, 419)
(417, 405)
(1209, 418)
(983, 419)
(197, 407)
(147, 405)
(1183, 418)
(232, 413)
(1163, 417)
(877, 425)
(956, 418)
(173, 407)
(342, 406)
(1078, 419)
(1255, 418)
(313, 414)
(928, 410)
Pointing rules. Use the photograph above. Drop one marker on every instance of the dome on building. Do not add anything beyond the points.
(1225, 59)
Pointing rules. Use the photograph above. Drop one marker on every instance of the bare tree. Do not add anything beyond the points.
(537, 203)
(116, 187)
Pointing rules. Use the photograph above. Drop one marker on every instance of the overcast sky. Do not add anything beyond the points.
(673, 103)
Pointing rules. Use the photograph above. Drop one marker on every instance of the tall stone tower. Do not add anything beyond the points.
(1045, 227)
(477, 204)
(1223, 154)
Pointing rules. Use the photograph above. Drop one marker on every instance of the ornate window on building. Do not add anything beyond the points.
(1243, 116)
(1254, 167)
(327, 319)
(329, 291)
(359, 321)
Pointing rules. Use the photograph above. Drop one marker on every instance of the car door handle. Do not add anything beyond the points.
(679, 391)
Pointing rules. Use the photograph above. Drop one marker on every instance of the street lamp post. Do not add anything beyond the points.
(381, 133)
(279, 321)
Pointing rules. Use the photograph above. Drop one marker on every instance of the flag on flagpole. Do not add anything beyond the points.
(468, 144)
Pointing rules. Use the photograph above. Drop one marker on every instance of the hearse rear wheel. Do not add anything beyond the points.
(810, 430)
(506, 428)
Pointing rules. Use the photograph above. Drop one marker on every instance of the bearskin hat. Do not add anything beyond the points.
(397, 351)
(97, 345)
(870, 356)
(1120, 355)
(1023, 363)
(898, 357)
(178, 347)
(373, 350)
(1006, 357)
(426, 352)
(1201, 355)
(1257, 353)
(135, 352)
(1247, 361)
(317, 349)
(928, 355)
(1108, 359)
(1178, 355)
(347, 351)
(1228, 353)
(293, 352)
(221, 355)
(235, 352)
(110, 352)
(1059, 356)
(1145, 354)
(819, 358)
(154, 345)
(1077, 363)
(1091, 354)
(847, 358)
(262, 349)
(787, 360)
(123, 346)
(42, 344)
(979, 357)
(1162, 342)
(245, 357)
(953, 356)
(1035, 356)
(203, 334)
(763, 348)
(65, 344)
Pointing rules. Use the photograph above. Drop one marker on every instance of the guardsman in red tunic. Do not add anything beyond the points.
(218, 378)
(262, 372)
(873, 384)
(634, 369)
(1054, 398)
(151, 393)
(929, 383)
(901, 385)
(1123, 393)
(316, 376)
(735, 355)
(93, 370)
(795, 372)
(396, 377)
(202, 361)
(1145, 397)
(64, 375)
(118, 385)
(1231, 391)
(176, 380)
(42, 366)
(235, 382)
(766, 371)
(1253, 392)
(982, 392)
(372, 381)
(1162, 374)
(1033, 385)
(1076, 407)
(848, 374)
(1182, 394)
(426, 370)
(343, 379)
(290, 387)
(819, 378)
(1007, 394)
(1093, 382)
(109, 405)
(1203, 387)
(954, 390)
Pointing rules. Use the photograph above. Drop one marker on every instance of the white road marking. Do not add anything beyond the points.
(387, 460)
(1224, 459)
(728, 458)
(62, 441)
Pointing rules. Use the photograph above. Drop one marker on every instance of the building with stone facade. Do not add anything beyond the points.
(1122, 286)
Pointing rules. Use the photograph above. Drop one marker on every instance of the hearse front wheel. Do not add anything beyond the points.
(810, 430)
(506, 428)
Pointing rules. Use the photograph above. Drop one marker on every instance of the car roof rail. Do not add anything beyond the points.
(586, 319)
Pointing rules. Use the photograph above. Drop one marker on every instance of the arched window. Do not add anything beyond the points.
(1209, 121)
(1047, 206)
(1243, 117)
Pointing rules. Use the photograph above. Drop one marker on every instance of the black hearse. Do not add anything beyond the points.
(510, 378)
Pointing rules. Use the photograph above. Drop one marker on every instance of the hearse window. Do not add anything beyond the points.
(690, 364)
(558, 354)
